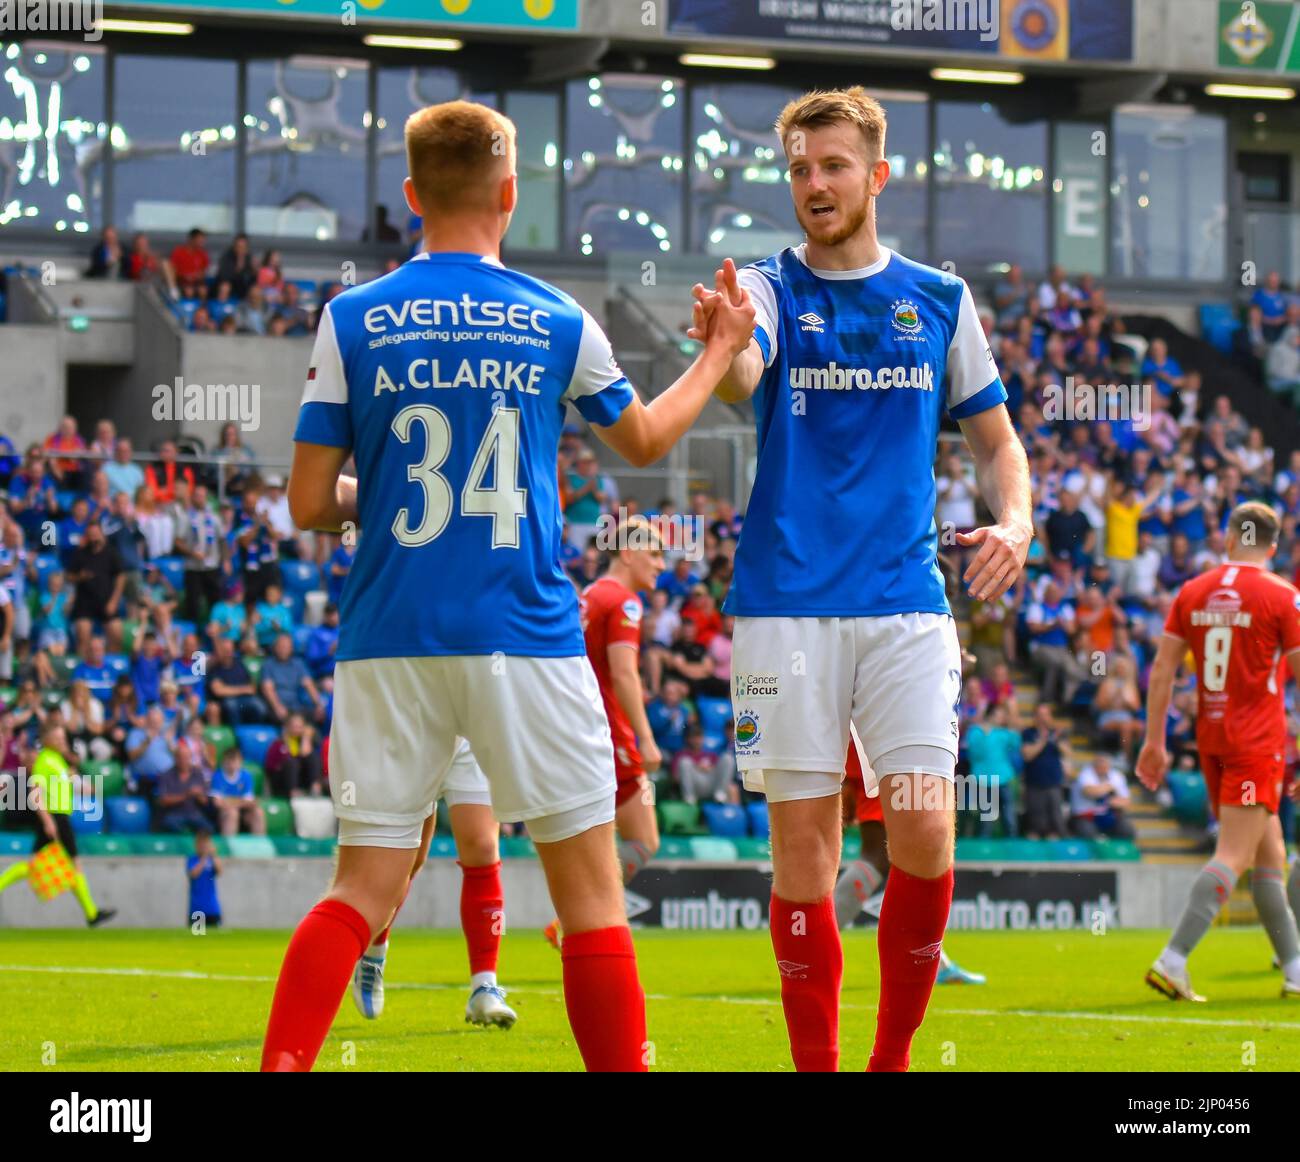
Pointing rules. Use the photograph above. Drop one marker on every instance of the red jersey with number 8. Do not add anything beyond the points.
(1240, 621)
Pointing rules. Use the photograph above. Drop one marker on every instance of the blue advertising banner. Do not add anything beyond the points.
(1015, 29)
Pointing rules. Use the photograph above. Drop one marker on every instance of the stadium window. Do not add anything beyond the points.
(403, 91)
(175, 141)
(536, 224)
(306, 122)
(623, 176)
(1168, 193)
(991, 188)
(53, 123)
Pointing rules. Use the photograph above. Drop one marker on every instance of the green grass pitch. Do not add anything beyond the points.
(149, 1000)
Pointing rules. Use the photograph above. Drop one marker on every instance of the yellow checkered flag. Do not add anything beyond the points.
(51, 872)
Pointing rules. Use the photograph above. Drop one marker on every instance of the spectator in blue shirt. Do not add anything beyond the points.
(669, 716)
(271, 617)
(993, 753)
(230, 683)
(1044, 749)
(1272, 303)
(182, 802)
(122, 474)
(337, 570)
(227, 620)
(123, 532)
(678, 580)
(287, 686)
(150, 751)
(94, 672)
(323, 643)
(232, 791)
(1162, 368)
(201, 870)
(72, 529)
(148, 664)
(1051, 627)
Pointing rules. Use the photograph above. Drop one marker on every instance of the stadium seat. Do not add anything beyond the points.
(119, 663)
(301, 634)
(184, 627)
(254, 741)
(252, 847)
(674, 847)
(517, 847)
(173, 845)
(173, 568)
(259, 777)
(279, 817)
(104, 845)
(1191, 803)
(1068, 849)
(300, 577)
(982, 850)
(760, 826)
(678, 818)
(221, 737)
(1023, 850)
(714, 714)
(15, 843)
(313, 818)
(1115, 849)
(296, 846)
(852, 846)
(714, 849)
(1218, 325)
(8, 694)
(254, 668)
(444, 847)
(89, 822)
(108, 776)
(126, 814)
(751, 847)
(727, 820)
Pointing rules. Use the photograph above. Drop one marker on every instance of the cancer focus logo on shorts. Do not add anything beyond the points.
(747, 731)
(752, 687)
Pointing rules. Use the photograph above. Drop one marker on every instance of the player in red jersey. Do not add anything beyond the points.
(861, 882)
(1242, 626)
(611, 622)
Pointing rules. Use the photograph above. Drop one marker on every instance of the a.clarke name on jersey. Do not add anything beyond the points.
(490, 374)
(461, 312)
(837, 378)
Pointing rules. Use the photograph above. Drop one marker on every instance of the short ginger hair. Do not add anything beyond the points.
(823, 107)
(457, 153)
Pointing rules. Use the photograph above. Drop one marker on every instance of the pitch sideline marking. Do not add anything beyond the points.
(1034, 1014)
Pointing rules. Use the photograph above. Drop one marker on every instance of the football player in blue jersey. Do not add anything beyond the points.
(840, 607)
(447, 381)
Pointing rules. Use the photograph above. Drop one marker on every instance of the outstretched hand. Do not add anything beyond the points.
(724, 316)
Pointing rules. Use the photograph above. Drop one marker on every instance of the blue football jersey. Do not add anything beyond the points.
(859, 367)
(448, 379)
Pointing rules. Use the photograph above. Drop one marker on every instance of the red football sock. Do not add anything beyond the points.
(317, 967)
(810, 958)
(604, 998)
(382, 938)
(913, 916)
(482, 915)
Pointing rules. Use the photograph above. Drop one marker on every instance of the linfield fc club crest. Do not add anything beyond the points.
(907, 318)
(747, 732)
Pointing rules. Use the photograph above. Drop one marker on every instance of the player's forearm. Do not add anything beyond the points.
(627, 689)
(1003, 477)
(1160, 691)
(742, 375)
(670, 415)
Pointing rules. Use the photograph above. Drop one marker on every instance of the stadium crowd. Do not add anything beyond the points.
(156, 622)
(116, 576)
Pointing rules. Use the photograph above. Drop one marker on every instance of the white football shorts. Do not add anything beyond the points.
(531, 731)
(799, 683)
